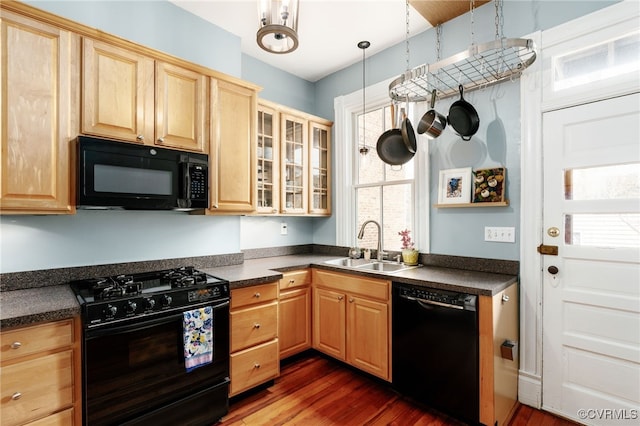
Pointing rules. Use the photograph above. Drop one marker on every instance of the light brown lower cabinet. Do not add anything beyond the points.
(294, 303)
(352, 320)
(40, 374)
(498, 323)
(253, 336)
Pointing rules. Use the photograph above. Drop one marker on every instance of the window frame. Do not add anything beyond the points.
(347, 108)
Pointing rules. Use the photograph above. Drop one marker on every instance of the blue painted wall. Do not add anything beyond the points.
(90, 237)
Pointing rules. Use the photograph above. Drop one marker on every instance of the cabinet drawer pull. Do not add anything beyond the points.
(16, 396)
(256, 325)
(256, 365)
(16, 345)
(292, 281)
(257, 295)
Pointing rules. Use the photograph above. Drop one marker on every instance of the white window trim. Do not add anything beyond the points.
(345, 108)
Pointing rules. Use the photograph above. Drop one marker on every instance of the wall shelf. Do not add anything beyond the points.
(479, 66)
(466, 205)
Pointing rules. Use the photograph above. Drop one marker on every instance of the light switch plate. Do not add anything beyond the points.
(283, 228)
(500, 234)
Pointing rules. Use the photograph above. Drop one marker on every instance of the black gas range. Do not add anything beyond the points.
(155, 348)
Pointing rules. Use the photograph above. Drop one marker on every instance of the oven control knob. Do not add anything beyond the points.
(131, 307)
(166, 300)
(150, 303)
(111, 311)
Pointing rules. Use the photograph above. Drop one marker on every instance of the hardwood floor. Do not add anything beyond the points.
(316, 390)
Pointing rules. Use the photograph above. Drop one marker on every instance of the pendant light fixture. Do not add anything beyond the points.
(364, 149)
(278, 27)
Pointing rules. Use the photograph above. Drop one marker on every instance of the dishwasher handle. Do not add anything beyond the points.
(431, 302)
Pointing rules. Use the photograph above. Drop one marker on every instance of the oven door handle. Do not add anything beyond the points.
(148, 323)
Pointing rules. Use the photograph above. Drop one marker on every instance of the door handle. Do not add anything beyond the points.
(553, 270)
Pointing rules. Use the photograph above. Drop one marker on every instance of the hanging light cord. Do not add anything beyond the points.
(364, 150)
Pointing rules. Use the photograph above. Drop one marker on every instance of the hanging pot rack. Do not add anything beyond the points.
(479, 66)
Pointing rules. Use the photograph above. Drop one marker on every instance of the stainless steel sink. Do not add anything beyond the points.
(370, 265)
(347, 261)
(385, 267)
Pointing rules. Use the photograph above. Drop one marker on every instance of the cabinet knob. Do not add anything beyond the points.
(140, 138)
(256, 365)
(505, 298)
(340, 297)
(256, 325)
(292, 281)
(257, 295)
(16, 396)
(16, 345)
(351, 300)
(160, 140)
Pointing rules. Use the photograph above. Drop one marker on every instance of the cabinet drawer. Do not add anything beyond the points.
(63, 418)
(254, 366)
(254, 294)
(45, 385)
(369, 287)
(29, 340)
(295, 279)
(253, 325)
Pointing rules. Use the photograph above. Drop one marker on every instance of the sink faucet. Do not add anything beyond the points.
(381, 254)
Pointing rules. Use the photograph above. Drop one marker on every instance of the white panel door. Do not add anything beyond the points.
(591, 289)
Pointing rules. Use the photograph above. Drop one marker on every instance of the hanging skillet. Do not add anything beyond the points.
(391, 147)
(463, 117)
(408, 135)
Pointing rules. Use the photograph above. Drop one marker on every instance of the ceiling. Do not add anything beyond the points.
(329, 30)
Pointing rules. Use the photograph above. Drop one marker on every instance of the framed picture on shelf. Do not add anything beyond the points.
(455, 186)
(489, 185)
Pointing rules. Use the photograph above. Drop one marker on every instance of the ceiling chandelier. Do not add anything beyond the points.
(278, 27)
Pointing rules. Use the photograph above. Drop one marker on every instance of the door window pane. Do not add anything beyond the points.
(603, 183)
(603, 230)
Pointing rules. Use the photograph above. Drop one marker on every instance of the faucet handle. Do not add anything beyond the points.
(397, 258)
(382, 255)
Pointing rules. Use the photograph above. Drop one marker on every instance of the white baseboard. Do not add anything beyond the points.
(530, 389)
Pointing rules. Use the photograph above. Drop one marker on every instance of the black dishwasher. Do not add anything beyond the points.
(435, 349)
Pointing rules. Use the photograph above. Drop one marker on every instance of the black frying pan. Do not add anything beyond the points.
(391, 146)
(463, 117)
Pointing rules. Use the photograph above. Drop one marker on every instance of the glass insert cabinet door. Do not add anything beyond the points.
(268, 170)
(319, 173)
(294, 158)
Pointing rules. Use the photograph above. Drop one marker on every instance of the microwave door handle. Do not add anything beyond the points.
(187, 182)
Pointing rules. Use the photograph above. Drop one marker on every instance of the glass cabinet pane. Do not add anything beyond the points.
(294, 145)
(319, 164)
(265, 154)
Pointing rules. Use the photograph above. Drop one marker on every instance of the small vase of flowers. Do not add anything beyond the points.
(409, 252)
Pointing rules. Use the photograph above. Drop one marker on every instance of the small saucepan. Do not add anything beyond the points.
(432, 122)
(391, 146)
(463, 117)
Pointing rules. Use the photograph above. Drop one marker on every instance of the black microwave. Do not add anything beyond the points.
(123, 175)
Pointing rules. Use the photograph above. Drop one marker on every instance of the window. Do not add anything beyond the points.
(382, 193)
(368, 189)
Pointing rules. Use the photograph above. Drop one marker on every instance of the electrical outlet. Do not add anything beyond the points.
(283, 228)
(500, 234)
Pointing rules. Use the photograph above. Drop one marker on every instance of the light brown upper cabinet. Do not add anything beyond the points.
(233, 150)
(39, 78)
(319, 170)
(293, 162)
(129, 96)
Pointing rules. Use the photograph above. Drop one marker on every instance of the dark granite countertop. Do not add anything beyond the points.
(34, 305)
(258, 271)
(19, 307)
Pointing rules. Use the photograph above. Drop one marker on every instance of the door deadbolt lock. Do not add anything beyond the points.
(553, 231)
